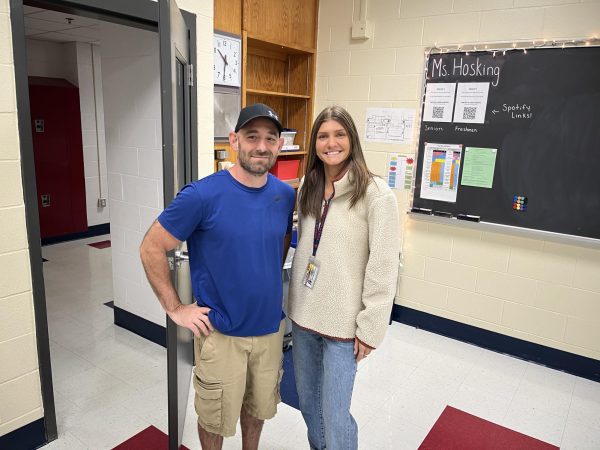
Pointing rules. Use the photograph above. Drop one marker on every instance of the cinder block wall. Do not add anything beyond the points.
(20, 394)
(530, 289)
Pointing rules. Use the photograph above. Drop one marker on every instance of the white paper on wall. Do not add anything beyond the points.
(439, 102)
(471, 102)
(392, 125)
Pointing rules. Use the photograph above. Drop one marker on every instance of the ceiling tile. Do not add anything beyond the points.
(32, 22)
(31, 9)
(59, 17)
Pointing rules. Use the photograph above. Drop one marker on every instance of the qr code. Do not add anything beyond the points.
(438, 112)
(469, 113)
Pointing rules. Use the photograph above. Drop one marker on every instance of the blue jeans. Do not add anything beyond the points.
(325, 370)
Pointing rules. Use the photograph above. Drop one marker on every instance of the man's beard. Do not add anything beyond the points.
(257, 168)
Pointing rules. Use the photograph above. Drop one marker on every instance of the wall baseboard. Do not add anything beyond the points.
(580, 366)
(32, 435)
(94, 230)
(140, 326)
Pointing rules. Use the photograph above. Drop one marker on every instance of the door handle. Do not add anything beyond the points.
(180, 257)
(177, 259)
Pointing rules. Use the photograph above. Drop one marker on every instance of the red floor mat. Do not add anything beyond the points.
(149, 439)
(101, 244)
(458, 430)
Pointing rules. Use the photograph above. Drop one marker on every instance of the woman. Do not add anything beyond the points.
(344, 276)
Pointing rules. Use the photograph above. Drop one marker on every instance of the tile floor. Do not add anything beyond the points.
(110, 384)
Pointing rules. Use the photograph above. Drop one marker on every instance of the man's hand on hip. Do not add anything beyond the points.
(192, 317)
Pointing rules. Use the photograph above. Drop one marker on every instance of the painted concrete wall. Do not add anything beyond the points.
(530, 289)
(89, 76)
(131, 82)
(20, 394)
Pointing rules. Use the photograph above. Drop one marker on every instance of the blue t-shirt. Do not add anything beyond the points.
(235, 240)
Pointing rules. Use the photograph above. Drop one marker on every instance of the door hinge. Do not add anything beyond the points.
(190, 74)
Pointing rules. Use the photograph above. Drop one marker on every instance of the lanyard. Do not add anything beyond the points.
(320, 223)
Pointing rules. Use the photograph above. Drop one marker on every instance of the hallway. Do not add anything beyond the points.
(108, 382)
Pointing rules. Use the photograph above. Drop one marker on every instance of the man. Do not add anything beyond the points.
(237, 224)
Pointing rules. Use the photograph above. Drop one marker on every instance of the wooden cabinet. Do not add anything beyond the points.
(278, 68)
(283, 78)
(291, 23)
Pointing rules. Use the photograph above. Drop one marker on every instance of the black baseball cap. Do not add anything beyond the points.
(254, 112)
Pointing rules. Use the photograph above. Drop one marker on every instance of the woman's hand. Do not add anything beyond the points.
(360, 350)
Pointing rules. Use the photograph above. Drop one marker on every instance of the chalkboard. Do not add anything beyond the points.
(541, 121)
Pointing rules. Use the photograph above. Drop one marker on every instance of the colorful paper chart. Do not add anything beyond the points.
(400, 171)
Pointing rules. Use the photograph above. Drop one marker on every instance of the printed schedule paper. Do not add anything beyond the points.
(441, 166)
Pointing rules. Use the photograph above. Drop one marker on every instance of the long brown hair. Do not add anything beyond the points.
(310, 198)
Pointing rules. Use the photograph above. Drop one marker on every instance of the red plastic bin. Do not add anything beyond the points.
(286, 169)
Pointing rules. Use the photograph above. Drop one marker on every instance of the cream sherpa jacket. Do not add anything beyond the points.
(358, 259)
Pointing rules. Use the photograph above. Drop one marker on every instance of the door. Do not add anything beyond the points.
(177, 171)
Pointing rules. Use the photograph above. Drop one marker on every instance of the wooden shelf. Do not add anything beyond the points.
(292, 153)
(275, 94)
(279, 47)
(265, 44)
(295, 184)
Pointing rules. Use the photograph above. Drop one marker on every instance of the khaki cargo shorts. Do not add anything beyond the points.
(234, 371)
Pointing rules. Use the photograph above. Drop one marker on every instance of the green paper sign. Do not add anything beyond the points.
(478, 167)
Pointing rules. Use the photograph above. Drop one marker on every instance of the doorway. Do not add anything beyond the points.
(115, 70)
(132, 183)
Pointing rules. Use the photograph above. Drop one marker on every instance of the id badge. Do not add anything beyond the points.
(310, 275)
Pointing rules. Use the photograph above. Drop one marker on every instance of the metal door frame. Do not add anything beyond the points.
(135, 13)
(177, 151)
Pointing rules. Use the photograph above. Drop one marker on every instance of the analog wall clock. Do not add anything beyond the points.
(227, 69)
